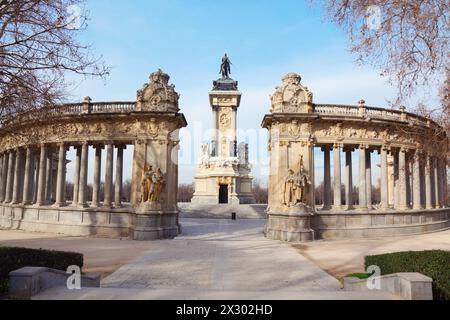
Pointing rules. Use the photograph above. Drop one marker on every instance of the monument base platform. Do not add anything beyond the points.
(96, 222)
(291, 224)
(223, 211)
(213, 200)
(292, 227)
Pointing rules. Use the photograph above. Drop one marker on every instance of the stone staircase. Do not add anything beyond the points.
(223, 211)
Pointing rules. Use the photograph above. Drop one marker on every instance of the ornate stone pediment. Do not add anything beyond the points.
(292, 97)
(158, 95)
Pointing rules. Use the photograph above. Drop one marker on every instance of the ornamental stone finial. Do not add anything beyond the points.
(159, 77)
(87, 99)
(158, 95)
(292, 96)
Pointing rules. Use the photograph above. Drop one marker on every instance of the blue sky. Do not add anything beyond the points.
(187, 39)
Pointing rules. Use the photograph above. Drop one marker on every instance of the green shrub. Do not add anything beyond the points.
(15, 258)
(434, 264)
(361, 276)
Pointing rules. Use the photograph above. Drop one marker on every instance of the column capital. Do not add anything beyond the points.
(386, 147)
(325, 148)
(123, 146)
(98, 146)
(348, 149)
(363, 147)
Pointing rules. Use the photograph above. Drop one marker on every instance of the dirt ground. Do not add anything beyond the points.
(102, 256)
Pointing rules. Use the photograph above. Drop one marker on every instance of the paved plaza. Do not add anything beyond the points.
(220, 259)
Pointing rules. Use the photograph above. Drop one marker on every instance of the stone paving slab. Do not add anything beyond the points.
(222, 255)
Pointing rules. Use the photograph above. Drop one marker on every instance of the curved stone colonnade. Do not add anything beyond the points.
(33, 165)
(413, 163)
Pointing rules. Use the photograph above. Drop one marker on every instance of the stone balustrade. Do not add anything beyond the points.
(374, 113)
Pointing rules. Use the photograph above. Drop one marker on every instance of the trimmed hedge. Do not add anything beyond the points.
(15, 258)
(434, 264)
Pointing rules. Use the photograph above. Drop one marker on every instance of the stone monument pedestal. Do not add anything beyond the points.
(153, 223)
(291, 224)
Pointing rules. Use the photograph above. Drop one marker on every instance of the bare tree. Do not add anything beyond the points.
(185, 192)
(407, 40)
(38, 47)
(260, 192)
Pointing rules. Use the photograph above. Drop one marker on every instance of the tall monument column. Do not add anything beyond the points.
(224, 172)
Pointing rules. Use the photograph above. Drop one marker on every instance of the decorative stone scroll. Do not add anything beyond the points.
(292, 97)
(158, 95)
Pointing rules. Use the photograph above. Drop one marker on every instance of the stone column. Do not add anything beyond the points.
(441, 182)
(36, 176)
(348, 179)
(417, 194)
(41, 201)
(16, 186)
(76, 178)
(32, 187)
(10, 177)
(362, 178)
(28, 177)
(433, 180)
(4, 177)
(396, 179)
(369, 178)
(61, 178)
(119, 177)
(1, 176)
(444, 183)
(49, 175)
(402, 203)
(409, 170)
(109, 175)
(437, 198)
(337, 178)
(83, 175)
(97, 176)
(384, 187)
(327, 179)
(428, 186)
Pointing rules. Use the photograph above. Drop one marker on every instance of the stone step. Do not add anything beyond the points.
(61, 293)
(223, 211)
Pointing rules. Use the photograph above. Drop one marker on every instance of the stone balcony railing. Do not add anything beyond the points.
(361, 111)
(377, 113)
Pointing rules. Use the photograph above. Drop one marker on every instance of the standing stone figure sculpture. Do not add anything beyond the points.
(147, 184)
(295, 186)
(204, 156)
(225, 68)
(157, 185)
(303, 181)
